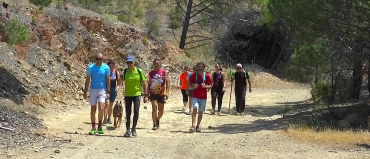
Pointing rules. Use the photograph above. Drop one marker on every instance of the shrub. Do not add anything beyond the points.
(174, 24)
(41, 3)
(16, 32)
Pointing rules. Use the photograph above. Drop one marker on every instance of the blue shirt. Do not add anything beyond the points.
(190, 88)
(98, 75)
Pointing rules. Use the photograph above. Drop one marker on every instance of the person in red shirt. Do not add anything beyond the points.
(159, 88)
(200, 81)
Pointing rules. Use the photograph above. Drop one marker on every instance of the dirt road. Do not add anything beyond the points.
(229, 136)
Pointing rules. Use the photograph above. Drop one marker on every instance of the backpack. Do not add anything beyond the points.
(196, 77)
(138, 70)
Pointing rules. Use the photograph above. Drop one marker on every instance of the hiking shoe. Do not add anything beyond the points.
(197, 129)
(212, 112)
(218, 113)
(154, 127)
(100, 130)
(133, 131)
(241, 113)
(192, 129)
(189, 113)
(157, 123)
(105, 121)
(92, 132)
(127, 134)
(109, 121)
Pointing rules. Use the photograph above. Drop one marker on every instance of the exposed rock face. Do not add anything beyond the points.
(53, 63)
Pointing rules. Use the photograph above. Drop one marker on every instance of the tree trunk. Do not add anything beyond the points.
(186, 25)
(357, 79)
(368, 75)
(283, 49)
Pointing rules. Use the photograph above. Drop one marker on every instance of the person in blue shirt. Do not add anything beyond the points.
(190, 91)
(98, 73)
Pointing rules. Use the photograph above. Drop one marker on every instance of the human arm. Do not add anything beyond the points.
(107, 78)
(179, 82)
(145, 87)
(118, 81)
(249, 82)
(149, 83)
(208, 83)
(224, 80)
(87, 83)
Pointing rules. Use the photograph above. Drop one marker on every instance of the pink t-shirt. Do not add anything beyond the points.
(158, 81)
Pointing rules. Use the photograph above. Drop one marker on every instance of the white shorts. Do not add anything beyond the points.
(97, 95)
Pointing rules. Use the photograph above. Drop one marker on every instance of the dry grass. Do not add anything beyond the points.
(328, 136)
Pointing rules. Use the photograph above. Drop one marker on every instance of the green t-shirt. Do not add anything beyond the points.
(133, 83)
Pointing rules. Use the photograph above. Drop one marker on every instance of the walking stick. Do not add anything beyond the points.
(231, 90)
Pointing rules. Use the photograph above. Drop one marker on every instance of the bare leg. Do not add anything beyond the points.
(154, 111)
(92, 115)
(193, 116)
(110, 110)
(101, 112)
(200, 116)
(160, 110)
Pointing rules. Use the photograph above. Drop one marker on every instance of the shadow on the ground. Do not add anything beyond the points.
(11, 87)
(353, 118)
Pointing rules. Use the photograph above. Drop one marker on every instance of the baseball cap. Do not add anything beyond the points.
(239, 65)
(130, 59)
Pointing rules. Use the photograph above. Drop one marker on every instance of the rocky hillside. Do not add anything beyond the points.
(51, 66)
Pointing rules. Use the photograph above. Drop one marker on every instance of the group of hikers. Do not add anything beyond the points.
(194, 84)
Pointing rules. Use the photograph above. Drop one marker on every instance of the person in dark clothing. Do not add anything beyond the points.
(218, 88)
(240, 77)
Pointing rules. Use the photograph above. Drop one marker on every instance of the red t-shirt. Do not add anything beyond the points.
(157, 82)
(200, 93)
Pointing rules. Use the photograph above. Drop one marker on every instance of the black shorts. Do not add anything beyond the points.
(158, 98)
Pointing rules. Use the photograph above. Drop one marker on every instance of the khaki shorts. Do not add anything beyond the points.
(97, 95)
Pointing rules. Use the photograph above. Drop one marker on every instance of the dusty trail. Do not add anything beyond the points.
(230, 136)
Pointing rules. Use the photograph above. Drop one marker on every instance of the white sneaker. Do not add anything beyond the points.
(218, 113)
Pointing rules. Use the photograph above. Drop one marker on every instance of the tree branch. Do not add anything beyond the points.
(201, 10)
(200, 36)
(174, 36)
(179, 5)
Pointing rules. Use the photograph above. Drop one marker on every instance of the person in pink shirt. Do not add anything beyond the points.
(159, 89)
(200, 81)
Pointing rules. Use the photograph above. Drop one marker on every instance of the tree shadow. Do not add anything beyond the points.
(355, 118)
(281, 108)
(11, 87)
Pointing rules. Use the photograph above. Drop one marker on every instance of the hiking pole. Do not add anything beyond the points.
(231, 90)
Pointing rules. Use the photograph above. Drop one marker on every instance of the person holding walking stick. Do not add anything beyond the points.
(240, 77)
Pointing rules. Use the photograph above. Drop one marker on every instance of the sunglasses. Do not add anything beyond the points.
(98, 59)
(129, 62)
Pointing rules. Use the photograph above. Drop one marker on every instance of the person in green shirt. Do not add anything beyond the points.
(133, 81)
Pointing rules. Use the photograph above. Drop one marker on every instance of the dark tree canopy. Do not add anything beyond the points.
(248, 40)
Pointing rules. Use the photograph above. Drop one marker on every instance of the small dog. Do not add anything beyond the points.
(117, 114)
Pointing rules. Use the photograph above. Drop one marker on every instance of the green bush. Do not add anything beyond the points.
(16, 32)
(41, 3)
(174, 24)
(153, 26)
(323, 92)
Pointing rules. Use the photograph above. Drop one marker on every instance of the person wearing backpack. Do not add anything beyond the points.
(240, 77)
(114, 87)
(218, 88)
(134, 82)
(200, 81)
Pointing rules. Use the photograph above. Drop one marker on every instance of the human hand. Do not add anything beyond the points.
(196, 86)
(203, 85)
(250, 90)
(166, 96)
